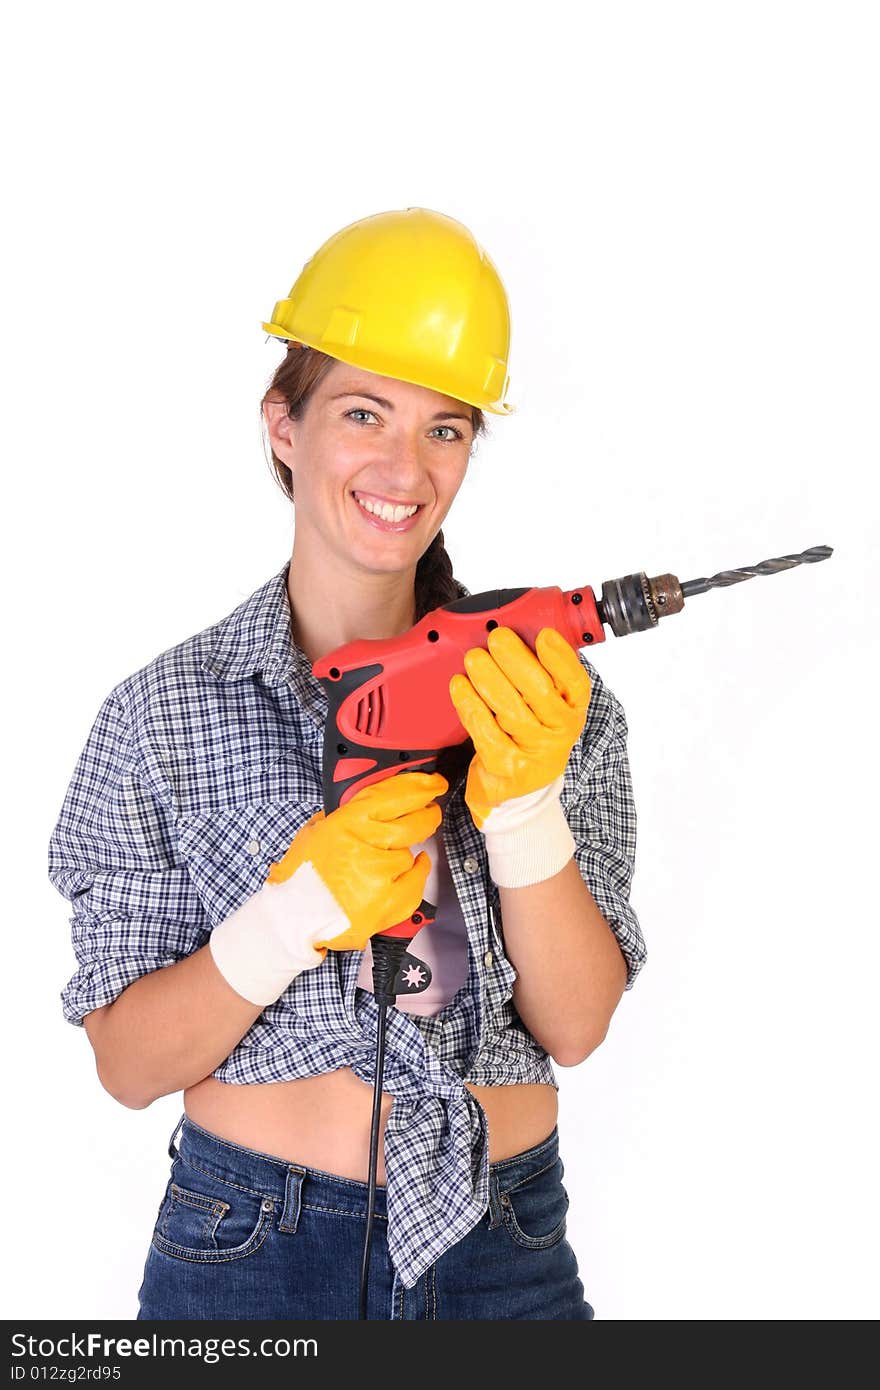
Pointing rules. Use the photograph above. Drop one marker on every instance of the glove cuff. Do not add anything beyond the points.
(528, 838)
(263, 946)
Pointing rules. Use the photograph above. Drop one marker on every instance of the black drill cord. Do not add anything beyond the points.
(388, 952)
(374, 1154)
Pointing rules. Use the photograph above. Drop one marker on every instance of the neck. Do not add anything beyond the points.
(327, 611)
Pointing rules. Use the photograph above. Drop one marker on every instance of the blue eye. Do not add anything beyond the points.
(361, 410)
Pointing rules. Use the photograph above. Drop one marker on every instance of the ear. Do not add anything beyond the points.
(280, 428)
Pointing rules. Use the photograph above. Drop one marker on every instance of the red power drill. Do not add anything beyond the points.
(389, 704)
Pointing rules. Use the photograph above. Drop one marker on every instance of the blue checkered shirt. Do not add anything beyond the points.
(198, 771)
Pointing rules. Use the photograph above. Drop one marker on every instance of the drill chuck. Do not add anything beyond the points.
(635, 603)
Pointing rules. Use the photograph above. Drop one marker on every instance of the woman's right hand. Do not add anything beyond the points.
(346, 876)
(361, 852)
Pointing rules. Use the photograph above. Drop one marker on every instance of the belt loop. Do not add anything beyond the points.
(172, 1151)
(495, 1211)
(292, 1199)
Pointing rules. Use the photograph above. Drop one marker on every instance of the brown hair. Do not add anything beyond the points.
(295, 378)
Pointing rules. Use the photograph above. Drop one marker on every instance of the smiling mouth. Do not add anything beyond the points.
(389, 514)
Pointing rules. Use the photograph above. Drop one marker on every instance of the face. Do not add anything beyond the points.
(368, 449)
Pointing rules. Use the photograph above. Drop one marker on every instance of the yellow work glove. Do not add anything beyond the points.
(345, 877)
(524, 711)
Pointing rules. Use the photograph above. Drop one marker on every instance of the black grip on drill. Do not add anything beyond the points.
(335, 747)
(480, 603)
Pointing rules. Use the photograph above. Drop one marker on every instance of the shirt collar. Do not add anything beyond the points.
(256, 639)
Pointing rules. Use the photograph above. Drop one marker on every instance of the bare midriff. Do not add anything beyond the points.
(324, 1121)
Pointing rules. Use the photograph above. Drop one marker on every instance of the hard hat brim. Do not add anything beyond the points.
(351, 359)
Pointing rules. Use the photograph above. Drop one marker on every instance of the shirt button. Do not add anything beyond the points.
(253, 847)
(470, 865)
(487, 958)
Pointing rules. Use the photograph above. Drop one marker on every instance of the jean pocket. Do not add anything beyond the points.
(209, 1221)
(535, 1209)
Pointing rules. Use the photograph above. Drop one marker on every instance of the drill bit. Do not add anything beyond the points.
(635, 603)
(783, 562)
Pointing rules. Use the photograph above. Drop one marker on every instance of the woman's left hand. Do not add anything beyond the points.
(524, 711)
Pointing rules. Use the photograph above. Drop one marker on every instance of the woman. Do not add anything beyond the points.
(223, 920)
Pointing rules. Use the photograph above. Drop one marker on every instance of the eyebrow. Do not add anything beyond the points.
(441, 414)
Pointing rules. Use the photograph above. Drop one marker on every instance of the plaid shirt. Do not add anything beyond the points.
(198, 771)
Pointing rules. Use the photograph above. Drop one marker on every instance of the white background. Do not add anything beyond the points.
(682, 202)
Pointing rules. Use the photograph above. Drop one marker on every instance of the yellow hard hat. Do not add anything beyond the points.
(407, 294)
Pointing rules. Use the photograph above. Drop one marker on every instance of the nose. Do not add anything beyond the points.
(405, 464)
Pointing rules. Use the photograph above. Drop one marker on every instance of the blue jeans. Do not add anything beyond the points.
(241, 1234)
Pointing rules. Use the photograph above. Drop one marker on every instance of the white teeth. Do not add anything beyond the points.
(384, 510)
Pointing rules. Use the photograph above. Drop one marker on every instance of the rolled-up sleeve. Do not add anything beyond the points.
(113, 855)
(602, 818)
